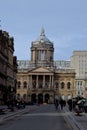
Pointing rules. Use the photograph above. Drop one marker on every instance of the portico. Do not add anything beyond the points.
(41, 81)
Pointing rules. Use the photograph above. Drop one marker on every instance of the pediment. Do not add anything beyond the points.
(41, 70)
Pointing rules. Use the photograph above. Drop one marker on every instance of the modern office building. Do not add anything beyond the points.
(79, 63)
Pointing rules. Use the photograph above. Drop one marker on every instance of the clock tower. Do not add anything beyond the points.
(42, 51)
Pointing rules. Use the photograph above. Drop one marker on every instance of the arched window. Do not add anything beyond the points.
(25, 84)
(19, 84)
(62, 85)
(68, 85)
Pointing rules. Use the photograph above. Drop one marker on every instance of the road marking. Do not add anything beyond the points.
(47, 114)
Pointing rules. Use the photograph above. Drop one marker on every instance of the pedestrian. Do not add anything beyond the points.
(56, 102)
(62, 103)
(70, 104)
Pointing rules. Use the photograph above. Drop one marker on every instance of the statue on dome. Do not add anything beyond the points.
(42, 31)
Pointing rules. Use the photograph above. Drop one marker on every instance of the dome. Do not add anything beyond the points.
(42, 38)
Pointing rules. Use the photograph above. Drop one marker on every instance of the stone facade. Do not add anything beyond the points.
(8, 66)
(78, 62)
(41, 81)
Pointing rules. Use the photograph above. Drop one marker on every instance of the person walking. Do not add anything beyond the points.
(56, 102)
(61, 103)
(70, 104)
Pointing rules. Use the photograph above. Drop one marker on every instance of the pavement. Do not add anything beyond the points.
(8, 114)
(77, 122)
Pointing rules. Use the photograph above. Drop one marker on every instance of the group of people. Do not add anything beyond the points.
(18, 103)
(59, 102)
(76, 104)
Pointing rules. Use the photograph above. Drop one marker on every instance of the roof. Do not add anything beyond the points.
(42, 38)
(41, 70)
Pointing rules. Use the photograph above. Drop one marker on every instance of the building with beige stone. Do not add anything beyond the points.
(38, 80)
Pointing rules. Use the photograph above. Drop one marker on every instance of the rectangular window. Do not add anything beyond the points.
(42, 55)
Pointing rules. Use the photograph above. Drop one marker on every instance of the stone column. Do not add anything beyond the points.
(52, 81)
(28, 87)
(31, 55)
(39, 55)
(37, 81)
(28, 79)
(43, 81)
(31, 82)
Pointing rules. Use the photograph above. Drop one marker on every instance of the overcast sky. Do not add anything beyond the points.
(64, 21)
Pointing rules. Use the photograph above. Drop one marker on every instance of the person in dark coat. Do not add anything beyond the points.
(70, 104)
(62, 103)
(56, 102)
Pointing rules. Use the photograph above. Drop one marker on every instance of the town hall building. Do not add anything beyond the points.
(38, 80)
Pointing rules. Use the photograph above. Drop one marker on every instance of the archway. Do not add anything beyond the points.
(47, 98)
(40, 98)
(33, 98)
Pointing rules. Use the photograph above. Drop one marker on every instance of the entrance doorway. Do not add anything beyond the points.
(47, 98)
(33, 98)
(40, 98)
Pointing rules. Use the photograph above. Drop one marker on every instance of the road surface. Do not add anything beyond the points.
(43, 118)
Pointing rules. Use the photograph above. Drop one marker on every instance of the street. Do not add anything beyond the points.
(45, 117)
